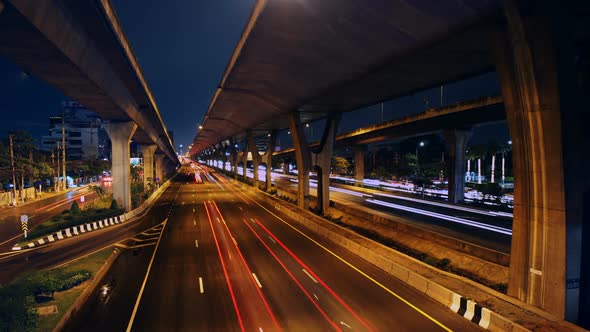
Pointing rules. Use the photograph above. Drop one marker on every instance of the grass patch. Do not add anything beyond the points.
(63, 300)
(20, 298)
(444, 264)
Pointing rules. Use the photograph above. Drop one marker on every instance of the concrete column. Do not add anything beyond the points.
(159, 167)
(457, 141)
(147, 151)
(323, 162)
(255, 158)
(359, 165)
(234, 162)
(535, 65)
(244, 164)
(272, 141)
(120, 134)
(302, 157)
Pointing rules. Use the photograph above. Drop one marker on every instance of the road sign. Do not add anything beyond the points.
(24, 219)
(82, 199)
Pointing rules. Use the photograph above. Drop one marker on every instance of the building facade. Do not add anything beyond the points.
(85, 136)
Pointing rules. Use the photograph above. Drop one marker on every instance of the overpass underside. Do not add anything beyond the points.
(539, 51)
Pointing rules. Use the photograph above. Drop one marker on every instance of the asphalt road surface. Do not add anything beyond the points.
(225, 262)
(37, 212)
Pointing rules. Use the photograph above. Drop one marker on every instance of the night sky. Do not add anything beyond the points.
(183, 48)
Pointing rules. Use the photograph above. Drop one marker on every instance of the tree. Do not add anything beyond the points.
(340, 165)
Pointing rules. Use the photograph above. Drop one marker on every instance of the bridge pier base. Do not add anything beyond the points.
(359, 165)
(120, 134)
(255, 158)
(267, 158)
(302, 157)
(322, 162)
(457, 140)
(159, 164)
(147, 151)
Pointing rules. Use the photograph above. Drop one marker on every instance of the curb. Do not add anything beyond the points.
(94, 225)
(73, 231)
(470, 310)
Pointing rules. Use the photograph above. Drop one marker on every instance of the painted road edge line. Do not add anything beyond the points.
(309, 275)
(130, 325)
(256, 279)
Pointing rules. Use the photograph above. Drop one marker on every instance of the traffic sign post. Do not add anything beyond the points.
(24, 220)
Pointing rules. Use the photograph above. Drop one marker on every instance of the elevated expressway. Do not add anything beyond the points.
(298, 61)
(79, 48)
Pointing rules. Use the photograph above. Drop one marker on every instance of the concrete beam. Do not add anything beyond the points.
(120, 134)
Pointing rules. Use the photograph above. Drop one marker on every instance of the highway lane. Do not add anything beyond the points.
(363, 292)
(308, 284)
(12, 264)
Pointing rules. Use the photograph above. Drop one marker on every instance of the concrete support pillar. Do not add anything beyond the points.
(120, 134)
(255, 158)
(270, 148)
(359, 165)
(286, 168)
(302, 157)
(159, 167)
(323, 162)
(457, 140)
(234, 161)
(535, 61)
(244, 158)
(147, 151)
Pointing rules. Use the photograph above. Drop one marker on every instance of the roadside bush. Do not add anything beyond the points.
(114, 204)
(75, 209)
(16, 309)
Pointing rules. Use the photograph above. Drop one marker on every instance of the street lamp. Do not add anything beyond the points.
(510, 142)
(421, 144)
(200, 127)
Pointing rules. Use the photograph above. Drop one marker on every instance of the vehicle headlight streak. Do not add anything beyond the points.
(491, 228)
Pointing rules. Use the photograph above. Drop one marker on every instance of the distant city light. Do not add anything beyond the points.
(510, 142)
(421, 143)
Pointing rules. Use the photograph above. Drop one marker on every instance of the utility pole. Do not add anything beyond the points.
(10, 137)
(63, 147)
(58, 182)
(53, 170)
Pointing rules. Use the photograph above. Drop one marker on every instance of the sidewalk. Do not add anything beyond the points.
(44, 196)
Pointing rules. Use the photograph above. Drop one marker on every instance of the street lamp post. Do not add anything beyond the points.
(417, 164)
